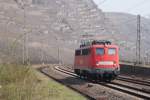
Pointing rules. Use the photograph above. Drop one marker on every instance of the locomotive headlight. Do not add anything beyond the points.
(97, 63)
(115, 64)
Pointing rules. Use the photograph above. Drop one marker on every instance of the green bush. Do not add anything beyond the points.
(15, 74)
(18, 82)
(24, 83)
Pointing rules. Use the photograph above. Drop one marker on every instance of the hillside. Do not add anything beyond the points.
(57, 24)
(52, 29)
(125, 25)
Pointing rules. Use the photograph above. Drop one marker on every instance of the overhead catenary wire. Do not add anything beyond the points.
(137, 5)
(102, 2)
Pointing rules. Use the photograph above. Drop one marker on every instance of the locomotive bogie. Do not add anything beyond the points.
(98, 74)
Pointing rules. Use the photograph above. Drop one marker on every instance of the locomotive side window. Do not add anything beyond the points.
(111, 51)
(99, 51)
(85, 51)
(78, 52)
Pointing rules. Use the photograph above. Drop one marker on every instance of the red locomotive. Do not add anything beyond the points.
(97, 60)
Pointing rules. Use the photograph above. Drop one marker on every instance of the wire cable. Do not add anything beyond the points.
(137, 5)
(102, 2)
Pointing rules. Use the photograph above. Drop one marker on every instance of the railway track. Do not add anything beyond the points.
(136, 81)
(42, 70)
(122, 78)
(132, 90)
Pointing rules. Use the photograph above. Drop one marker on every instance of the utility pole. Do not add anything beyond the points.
(58, 55)
(25, 56)
(23, 49)
(138, 42)
(58, 51)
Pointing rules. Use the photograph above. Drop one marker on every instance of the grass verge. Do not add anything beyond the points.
(25, 83)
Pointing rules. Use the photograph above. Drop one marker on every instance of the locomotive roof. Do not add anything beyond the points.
(98, 46)
(95, 43)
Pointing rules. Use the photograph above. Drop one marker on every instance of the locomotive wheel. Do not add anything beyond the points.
(97, 78)
(89, 77)
(108, 80)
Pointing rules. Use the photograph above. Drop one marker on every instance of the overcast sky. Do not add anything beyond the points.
(129, 6)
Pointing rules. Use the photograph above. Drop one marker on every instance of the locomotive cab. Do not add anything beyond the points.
(97, 60)
(106, 61)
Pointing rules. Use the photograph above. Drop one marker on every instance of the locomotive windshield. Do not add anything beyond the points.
(111, 51)
(99, 51)
(78, 52)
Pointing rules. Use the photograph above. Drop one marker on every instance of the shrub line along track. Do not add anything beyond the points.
(85, 95)
(118, 86)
